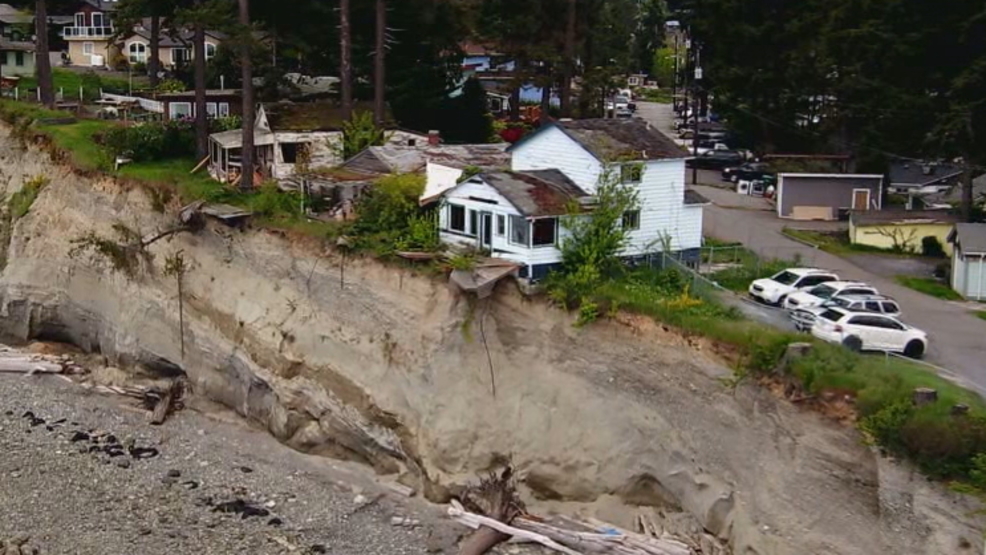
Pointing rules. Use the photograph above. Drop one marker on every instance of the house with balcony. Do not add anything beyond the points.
(90, 36)
(175, 47)
(519, 215)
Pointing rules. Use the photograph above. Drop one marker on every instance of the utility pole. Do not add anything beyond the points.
(697, 83)
(674, 76)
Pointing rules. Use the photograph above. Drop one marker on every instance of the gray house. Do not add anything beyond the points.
(824, 196)
(969, 260)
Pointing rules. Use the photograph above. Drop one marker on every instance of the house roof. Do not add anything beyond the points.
(474, 49)
(15, 46)
(917, 174)
(402, 159)
(16, 18)
(971, 238)
(308, 116)
(105, 5)
(695, 198)
(883, 217)
(191, 94)
(616, 139)
(535, 193)
(168, 39)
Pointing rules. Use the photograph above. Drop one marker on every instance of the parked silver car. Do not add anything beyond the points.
(805, 318)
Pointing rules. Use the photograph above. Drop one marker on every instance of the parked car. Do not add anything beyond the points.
(717, 159)
(776, 288)
(804, 318)
(821, 293)
(868, 331)
(747, 172)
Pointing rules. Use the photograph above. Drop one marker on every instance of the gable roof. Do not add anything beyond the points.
(971, 238)
(535, 193)
(906, 172)
(402, 159)
(308, 116)
(616, 139)
(105, 5)
(169, 39)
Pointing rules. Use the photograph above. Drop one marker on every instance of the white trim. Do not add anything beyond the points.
(174, 49)
(77, 23)
(92, 48)
(102, 19)
(172, 105)
(869, 197)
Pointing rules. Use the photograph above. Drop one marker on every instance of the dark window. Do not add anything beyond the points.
(822, 291)
(809, 281)
(857, 292)
(545, 231)
(473, 222)
(631, 173)
(520, 231)
(785, 278)
(874, 306)
(412, 142)
(891, 308)
(631, 219)
(867, 321)
(290, 152)
(457, 218)
(501, 225)
(832, 315)
(19, 58)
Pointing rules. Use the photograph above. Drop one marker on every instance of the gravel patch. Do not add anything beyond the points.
(84, 473)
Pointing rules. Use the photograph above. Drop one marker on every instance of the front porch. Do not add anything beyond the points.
(226, 156)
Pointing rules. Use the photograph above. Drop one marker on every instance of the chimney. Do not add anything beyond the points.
(434, 138)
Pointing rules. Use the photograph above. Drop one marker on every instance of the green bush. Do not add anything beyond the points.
(885, 424)
(931, 246)
(389, 219)
(151, 141)
(21, 201)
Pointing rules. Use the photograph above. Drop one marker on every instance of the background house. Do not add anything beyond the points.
(901, 229)
(969, 260)
(561, 163)
(921, 178)
(175, 46)
(89, 37)
(827, 196)
(17, 59)
(219, 103)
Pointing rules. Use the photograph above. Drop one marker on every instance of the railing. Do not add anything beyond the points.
(70, 32)
(155, 106)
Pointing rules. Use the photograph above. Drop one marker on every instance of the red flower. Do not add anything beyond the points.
(512, 134)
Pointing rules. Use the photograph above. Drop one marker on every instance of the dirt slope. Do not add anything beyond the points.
(390, 368)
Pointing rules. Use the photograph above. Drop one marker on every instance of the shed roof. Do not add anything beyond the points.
(907, 172)
(883, 217)
(618, 139)
(17, 46)
(971, 238)
(308, 116)
(402, 159)
(535, 193)
(191, 94)
(694, 198)
(234, 139)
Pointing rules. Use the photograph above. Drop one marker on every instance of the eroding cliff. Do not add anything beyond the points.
(390, 368)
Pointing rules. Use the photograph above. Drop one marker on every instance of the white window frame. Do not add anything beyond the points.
(187, 56)
(172, 113)
(514, 222)
(634, 217)
(210, 55)
(80, 19)
(211, 110)
(137, 55)
(88, 48)
(465, 219)
(554, 240)
(102, 19)
(631, 173)
(224, 109)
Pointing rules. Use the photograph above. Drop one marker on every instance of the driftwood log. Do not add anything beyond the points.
(494, 500)
(166, 401)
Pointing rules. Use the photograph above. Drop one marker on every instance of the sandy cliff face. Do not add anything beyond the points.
(391, 368)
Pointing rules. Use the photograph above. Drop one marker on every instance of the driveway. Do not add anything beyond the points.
(958, 338)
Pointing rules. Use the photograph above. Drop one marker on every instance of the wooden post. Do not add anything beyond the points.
(924, 396)
(960, 410)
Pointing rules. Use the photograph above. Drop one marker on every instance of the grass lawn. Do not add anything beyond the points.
(981, 314)
(91, 82)
(77, 139)
(929, 286)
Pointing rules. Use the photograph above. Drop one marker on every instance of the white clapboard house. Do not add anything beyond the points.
(518, 214)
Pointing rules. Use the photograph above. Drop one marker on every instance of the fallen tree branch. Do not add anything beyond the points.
(619, 543)
(474, 521)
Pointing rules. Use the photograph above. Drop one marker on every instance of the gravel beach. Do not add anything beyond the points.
(85, 473)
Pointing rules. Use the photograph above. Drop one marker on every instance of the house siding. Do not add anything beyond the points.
(663, 213)
(553, 149)
(323, 155)
(99, 48)
(881, 236)
(969, 276)
(10, 67)
(834, 193)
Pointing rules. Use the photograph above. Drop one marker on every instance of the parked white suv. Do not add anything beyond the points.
(804, 318)
(829, 290)
(776, 288)
(868, 331)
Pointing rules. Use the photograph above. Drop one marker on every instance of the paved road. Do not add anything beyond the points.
(958, 337)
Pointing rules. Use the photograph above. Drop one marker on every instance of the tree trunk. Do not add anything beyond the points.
(346, 60)
(546, 98)
(154, 62)
(967, 197)
(43, 63)
(515, 104)
(201, 117)
(249, 115)
(379, 66)
(481, 541)
(568, 67)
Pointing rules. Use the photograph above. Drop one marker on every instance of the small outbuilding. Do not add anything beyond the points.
(969, 260)
(904, 230)
(827, 196)
(219, 103)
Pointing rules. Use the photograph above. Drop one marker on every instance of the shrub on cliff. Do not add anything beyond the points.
(388, 217)
(151, 141)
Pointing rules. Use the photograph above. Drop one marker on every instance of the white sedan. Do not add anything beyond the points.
(867, 331)
(776, 288)
(820, 293)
